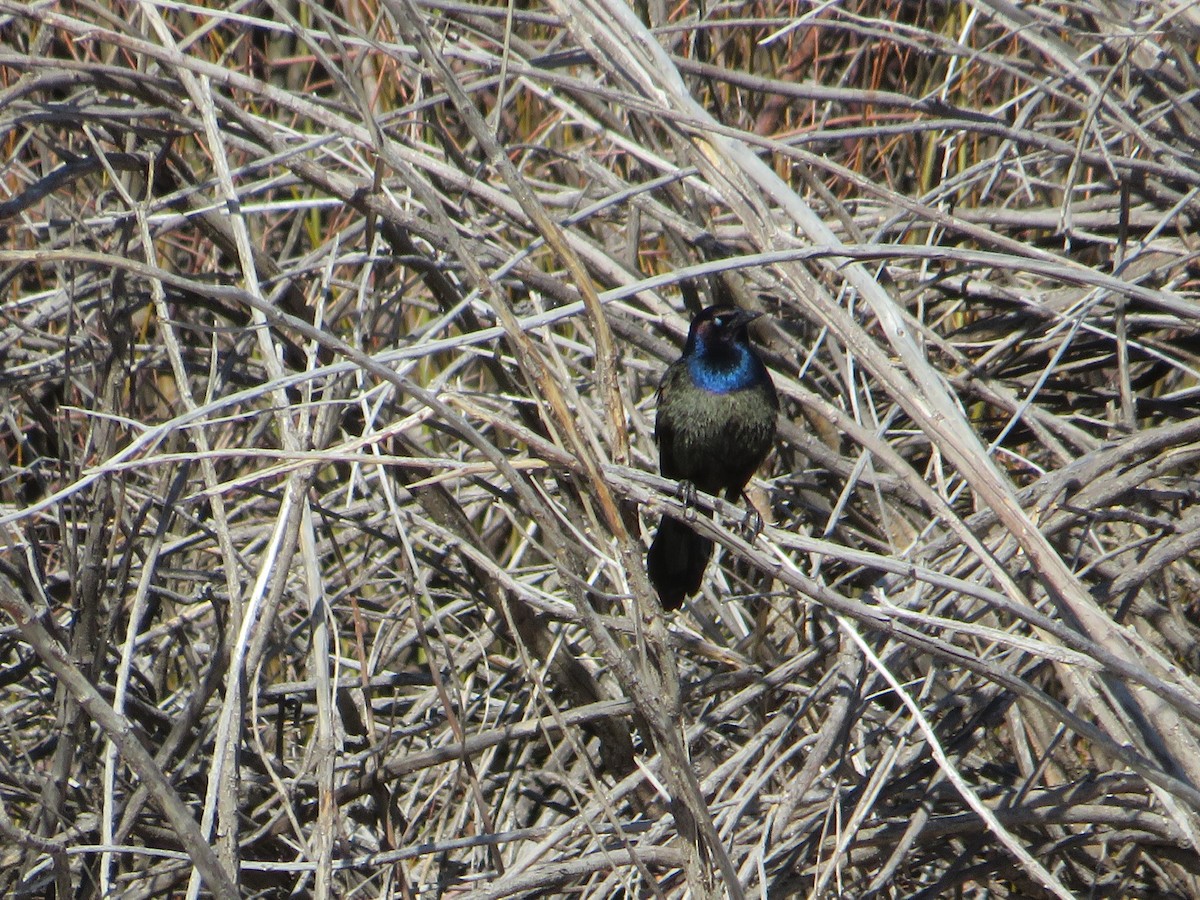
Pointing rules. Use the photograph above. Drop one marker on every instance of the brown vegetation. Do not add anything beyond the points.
(328, 341)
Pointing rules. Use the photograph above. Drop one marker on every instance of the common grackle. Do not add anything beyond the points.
(716, 422)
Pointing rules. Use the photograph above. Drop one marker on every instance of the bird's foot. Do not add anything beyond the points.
(686, 492)
(752, 524)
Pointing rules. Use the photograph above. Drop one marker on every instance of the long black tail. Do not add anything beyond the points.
(676, 561)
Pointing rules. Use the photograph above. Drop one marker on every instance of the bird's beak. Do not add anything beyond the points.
(744, 317)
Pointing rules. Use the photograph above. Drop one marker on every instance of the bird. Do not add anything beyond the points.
(714, 426)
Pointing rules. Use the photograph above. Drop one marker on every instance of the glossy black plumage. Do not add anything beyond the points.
(716, 423)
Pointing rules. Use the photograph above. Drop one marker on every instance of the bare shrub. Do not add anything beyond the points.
(329, 338)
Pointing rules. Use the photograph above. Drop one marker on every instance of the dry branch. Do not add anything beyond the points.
(329, 337)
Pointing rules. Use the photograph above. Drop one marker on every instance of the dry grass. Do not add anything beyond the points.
(329, 338)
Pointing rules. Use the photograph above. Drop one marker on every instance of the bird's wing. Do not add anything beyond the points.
(664, 431)
(664, 436)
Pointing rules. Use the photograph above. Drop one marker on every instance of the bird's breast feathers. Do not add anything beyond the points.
(738, 373)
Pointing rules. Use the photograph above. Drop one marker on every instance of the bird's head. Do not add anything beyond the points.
(719, 331)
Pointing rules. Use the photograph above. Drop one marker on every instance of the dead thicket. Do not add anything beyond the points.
(328, 343)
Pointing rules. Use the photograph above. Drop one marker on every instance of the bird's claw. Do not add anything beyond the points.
(752, 524)
(687, 496)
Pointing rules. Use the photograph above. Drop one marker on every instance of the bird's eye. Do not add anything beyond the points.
(721, 321)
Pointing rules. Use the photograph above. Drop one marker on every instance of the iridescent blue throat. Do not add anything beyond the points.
(722, 376)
